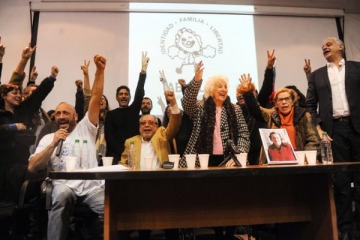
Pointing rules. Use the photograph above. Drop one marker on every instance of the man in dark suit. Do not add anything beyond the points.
(335, 89)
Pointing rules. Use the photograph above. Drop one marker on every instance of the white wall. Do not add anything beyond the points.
(352, 37)
(15, 32)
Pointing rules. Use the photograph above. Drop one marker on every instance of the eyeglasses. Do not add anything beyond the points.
(286, 99)
(150, 123)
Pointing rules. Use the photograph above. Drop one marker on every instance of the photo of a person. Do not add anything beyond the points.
(277, 146)
(279, 150)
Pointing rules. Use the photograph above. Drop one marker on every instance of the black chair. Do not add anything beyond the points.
(24, 219)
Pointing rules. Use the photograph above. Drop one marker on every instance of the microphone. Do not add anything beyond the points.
(233, 150)
(59, 147)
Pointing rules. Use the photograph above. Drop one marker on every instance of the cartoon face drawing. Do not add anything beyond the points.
(190, 42)
(188, 46)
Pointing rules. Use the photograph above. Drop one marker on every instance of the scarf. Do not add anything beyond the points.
(287, 122)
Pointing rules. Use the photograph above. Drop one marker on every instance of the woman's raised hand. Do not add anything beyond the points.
(199, 69)
(271, 58)
(245, 80)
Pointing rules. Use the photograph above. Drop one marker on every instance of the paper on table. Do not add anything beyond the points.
(112, 168)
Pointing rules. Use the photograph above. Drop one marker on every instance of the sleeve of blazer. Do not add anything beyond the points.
(312, 137)
(173, 126)
(125, 153)
(189, 100)
(139, 94)
(312, 99)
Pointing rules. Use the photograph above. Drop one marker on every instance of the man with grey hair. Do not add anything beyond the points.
(153, 139)
(333, 101)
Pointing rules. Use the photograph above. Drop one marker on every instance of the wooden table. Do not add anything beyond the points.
(300, 196)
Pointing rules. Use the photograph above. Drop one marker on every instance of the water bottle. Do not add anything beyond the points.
(85, 155)
(326, 151)
(99, 159)
(132, 156)
(77, 152)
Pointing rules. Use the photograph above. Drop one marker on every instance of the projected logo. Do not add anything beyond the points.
(183, 40)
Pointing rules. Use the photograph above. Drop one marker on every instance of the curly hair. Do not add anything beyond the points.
(211, 83)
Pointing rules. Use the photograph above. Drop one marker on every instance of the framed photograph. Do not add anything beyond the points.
(277, 146)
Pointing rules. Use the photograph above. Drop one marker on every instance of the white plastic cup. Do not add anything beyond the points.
(311, 157)
(107, 161)
(242, 157)
(204, 160)
(70, 163)
(190, 160)
(300, 155)
(175, 159)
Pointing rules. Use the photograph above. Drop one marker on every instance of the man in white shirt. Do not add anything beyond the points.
(333, 101)
(67, 192)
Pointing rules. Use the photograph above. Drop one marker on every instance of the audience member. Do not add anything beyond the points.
(66, 193)
(16, 118)
(286, 114)
(161, 103)
(49, 127)
(40, 118)
(83, 96)
(333, 101)
(2, 53)
(122, 123)
(263, 100)
(33, 76)
(100, 135)
(183, 85)
(307, 68)
(79, 99)
(18, 76)
(146, 107)
(50, 113)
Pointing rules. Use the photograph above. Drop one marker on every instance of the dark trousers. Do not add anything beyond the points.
(346, 148)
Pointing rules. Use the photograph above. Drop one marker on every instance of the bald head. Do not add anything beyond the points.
(66, 105)
(66, 116)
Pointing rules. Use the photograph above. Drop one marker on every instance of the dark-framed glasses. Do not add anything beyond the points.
(286, 99)
(150, 123)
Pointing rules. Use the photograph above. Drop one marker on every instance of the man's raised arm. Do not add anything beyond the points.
(97, 89)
